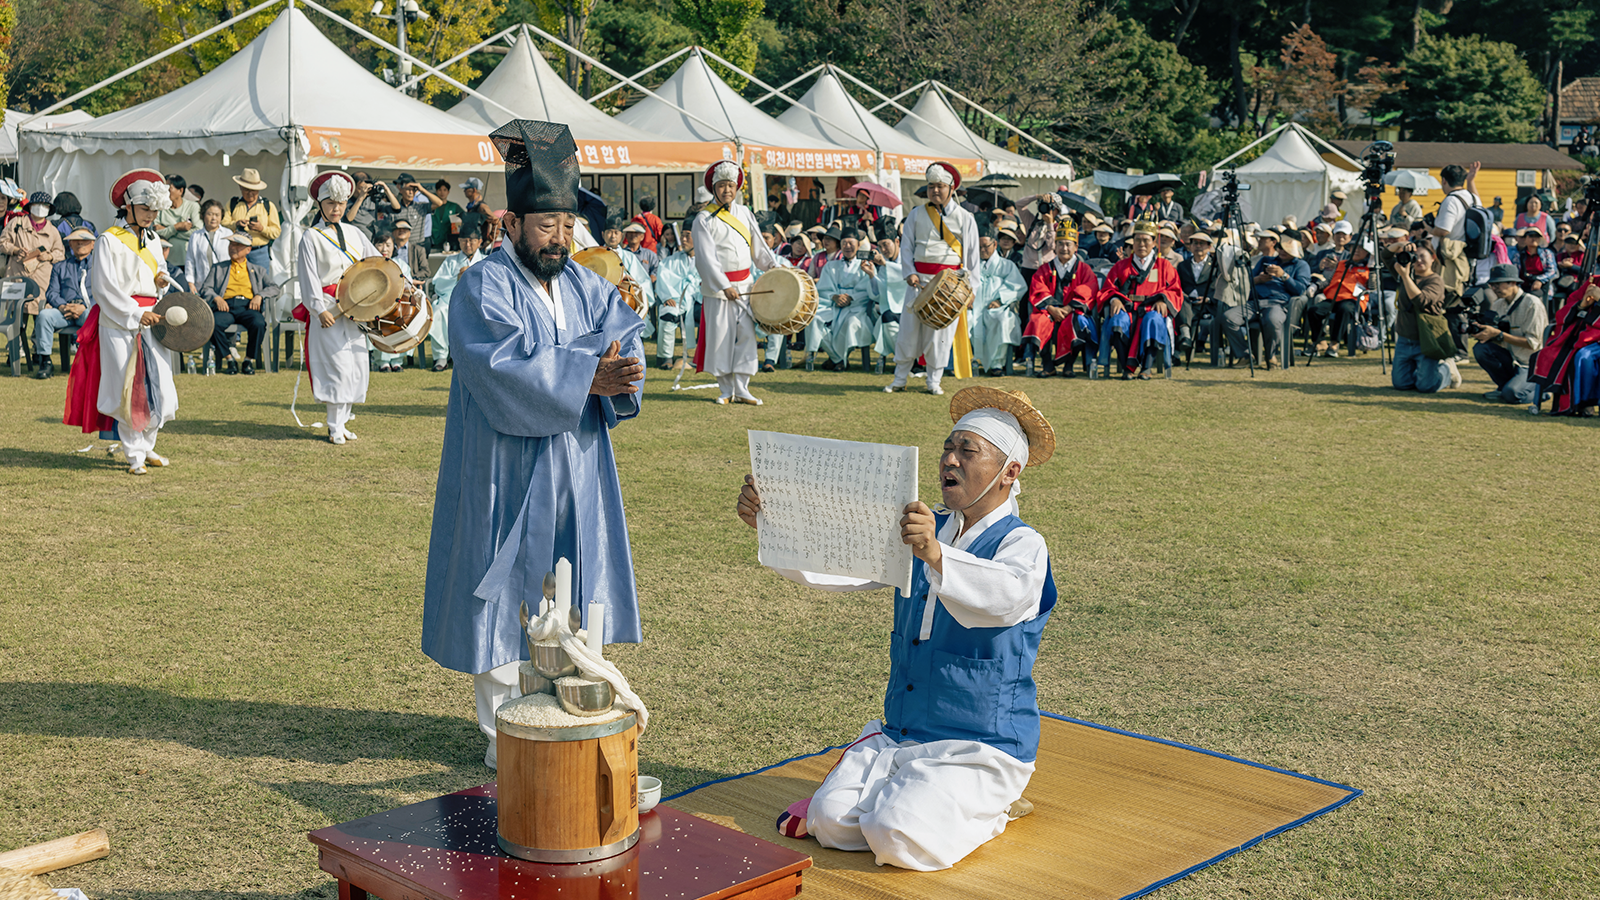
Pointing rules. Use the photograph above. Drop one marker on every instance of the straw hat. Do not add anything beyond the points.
(1041, 437)
(250, 180)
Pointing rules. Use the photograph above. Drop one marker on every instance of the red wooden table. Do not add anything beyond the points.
(444, 849)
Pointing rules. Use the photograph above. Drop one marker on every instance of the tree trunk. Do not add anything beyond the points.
(1555, 108)
(1183, 26)
(1240, 109)
(1416, 23)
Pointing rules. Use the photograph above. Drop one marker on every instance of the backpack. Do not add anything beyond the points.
(1477, 230)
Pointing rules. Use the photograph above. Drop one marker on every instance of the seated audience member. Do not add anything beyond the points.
(1140, 297)
(1211, 288)
(1060, 295)
(1421, 290)
(1569, 265)
(444, 284)
(997, 286)
(1536, 264)
(69, 214)
(208, 244)
(851, 286)
(32, 243)
(66, 300)
(943, 770)
(1279, 279)
(1509, 330)
(1341, 302)
(1406, 210)
(238, 290)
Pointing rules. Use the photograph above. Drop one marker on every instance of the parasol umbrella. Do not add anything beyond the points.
(1149, 185)
(1080, 203)
(995, 182)
(877, 194)
(1416, 182)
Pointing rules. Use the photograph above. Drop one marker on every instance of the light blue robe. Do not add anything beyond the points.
(892, 300)
(444, 284)
(389, 359)
(852, 325)
(527, 474)
(678, 280)
(636, 269)
(996, 279)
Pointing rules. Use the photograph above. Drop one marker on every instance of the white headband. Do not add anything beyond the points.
(337, 188)
(1001, 429)
(150, 194)
(938, 174)
(725, 171)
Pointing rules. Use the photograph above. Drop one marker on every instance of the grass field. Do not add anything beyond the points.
(1305, 569)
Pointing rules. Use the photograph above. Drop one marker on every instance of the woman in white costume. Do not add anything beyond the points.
(336, 350)
(729, 245)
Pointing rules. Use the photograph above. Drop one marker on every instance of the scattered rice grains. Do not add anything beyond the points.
(544, 711)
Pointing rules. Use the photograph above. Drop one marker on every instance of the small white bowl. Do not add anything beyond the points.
(649, 793)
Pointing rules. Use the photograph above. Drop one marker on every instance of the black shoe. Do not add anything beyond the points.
(233, 367)
(44, 371)
(767, 367)
(441, 366)
(249, 367)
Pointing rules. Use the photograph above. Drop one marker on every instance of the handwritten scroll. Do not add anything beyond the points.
(834, 507)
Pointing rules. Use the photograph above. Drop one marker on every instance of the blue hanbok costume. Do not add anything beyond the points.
(527, 474)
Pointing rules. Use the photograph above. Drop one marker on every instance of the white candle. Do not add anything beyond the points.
(597, 628)
(564, 589)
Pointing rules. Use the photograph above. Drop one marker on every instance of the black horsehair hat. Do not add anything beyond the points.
(541, 166)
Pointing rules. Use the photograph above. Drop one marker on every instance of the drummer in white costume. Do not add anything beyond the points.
(336, 350)
(730, 245)
(943, 771)
(938, 236)
(126, 277)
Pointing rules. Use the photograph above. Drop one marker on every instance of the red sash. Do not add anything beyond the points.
(927, 268)
(700, 341)
(83, 380)
(736, 277)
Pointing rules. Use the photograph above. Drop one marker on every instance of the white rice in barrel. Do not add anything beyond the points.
(544, 711)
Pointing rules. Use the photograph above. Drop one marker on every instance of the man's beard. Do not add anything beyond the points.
(545, 268)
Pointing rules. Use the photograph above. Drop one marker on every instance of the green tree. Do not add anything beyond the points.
(629, 35)
(1468, 89)
(725, 27)
(63, 46)
(8, 23)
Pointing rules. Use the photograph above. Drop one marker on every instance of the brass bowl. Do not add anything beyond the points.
(552, 661)
(585, 696)
(532, 682)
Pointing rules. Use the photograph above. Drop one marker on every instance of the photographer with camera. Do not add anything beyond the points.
(1421, 291)
(1509, 329)
(1039, 222)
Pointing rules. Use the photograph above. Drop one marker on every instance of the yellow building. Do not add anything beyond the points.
(1510, 171)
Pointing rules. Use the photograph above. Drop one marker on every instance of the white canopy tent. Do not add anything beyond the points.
(237, 116)
(720, 114)
(524, 83)
(1291, 178)
(8, 133)
(936, 125)
(828, 112)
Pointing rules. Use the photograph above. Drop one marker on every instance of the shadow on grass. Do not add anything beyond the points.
(12, 457)
(1458, 400)
(237, 728)
(376, 409)
(240, 429)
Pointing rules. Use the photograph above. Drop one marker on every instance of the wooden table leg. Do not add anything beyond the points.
(348, 891)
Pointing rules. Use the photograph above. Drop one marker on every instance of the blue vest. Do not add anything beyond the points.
(973, 684)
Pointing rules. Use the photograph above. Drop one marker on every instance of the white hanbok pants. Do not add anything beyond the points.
(917, 806)
(730, 334)
(916, 339)
(116, 355)
(493, 688)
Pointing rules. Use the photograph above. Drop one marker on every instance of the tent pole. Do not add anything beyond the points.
(427, 69)
(622, 79)
(889, 100)
(779, 92)
(1246, 148)
(457, 58)
(630, 81)
(151, 61)
(1306, 132)
(854, 108)
(1037, 143)
(790, 83)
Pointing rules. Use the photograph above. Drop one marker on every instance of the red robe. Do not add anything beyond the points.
(1574, 330)
(1138, 294)
(1078, 295)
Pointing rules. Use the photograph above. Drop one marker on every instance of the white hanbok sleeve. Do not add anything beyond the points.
(110, 276)
(908, 245)
(993, 593)
(1011, 286)
(970, 257)
(712, 279)
(311, 295)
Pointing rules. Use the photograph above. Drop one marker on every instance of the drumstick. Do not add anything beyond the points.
(753, 293)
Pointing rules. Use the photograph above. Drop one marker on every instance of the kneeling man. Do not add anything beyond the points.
(942, 772)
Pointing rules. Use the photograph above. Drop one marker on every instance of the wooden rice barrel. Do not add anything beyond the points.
(568, 794)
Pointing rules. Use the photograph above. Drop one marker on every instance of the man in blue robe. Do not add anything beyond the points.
(547, 361)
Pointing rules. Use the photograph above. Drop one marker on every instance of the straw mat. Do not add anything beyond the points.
(1116, 815)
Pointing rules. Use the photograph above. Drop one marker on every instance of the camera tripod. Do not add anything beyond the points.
(1232, 223)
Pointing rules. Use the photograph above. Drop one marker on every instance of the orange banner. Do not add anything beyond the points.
(785, 159)
(916, 165)
(413, 150)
